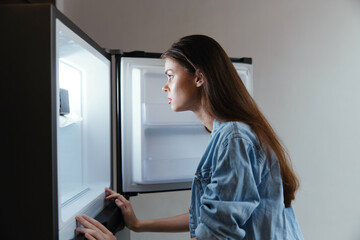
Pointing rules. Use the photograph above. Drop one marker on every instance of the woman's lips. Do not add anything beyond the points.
(169, 100)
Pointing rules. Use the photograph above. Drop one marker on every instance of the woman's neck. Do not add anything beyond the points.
(205, 118)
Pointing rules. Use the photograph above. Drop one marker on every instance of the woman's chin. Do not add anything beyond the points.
(175, 108)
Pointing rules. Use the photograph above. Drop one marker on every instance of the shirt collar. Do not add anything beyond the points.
(216, 126)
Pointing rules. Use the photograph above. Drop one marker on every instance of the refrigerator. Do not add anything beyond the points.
(79, 118)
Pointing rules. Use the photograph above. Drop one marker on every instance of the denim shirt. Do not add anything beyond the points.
(237, 191)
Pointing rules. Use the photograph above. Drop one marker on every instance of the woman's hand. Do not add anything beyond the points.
(93, 229)
(130, 219)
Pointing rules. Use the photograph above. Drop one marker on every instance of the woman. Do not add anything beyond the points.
(244, 183)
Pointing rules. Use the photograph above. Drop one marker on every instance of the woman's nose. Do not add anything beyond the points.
(165, 88)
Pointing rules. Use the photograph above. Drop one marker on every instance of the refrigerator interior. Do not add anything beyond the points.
(160, 148)
(245, 72)
(83, 128)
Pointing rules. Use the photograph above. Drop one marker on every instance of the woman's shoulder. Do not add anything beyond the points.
(234, 129)
(240, 135)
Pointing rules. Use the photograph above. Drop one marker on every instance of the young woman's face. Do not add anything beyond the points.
(183, 88)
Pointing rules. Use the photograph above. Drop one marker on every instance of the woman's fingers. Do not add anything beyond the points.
(115, 195)
(89, 228)
(121, 198)
(96, 224)
(89, 237)
(84, 222)
(123, 203)
(93, 229)
(120, 204)
(93, 235)
(89, 233)
(125, 206)
(110, 191)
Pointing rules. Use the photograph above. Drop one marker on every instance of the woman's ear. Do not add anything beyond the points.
(199, 79)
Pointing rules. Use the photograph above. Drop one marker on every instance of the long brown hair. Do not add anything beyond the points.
(226, 99)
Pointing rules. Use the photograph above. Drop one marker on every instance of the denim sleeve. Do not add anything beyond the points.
(232, 195)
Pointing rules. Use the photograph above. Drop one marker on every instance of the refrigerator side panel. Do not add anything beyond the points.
(28, 176)
(34, 204)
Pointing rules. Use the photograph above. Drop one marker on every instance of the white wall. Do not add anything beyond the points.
(306, 81)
